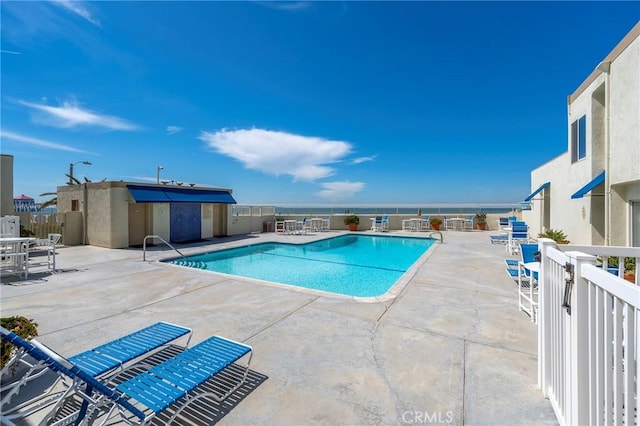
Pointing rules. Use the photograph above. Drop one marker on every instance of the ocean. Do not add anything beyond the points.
(406, 210)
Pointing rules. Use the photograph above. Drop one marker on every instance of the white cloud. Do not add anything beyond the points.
(69, 114)
(290, 6)
(173, 129)
(77, 7)
(337, 191)
(363, 159)
(279, 153)
(38, 142)
(11, 52)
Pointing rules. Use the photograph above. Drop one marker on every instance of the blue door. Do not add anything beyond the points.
(185, 223)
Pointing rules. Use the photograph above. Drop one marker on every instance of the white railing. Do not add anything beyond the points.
(588, 336)
(9, 226)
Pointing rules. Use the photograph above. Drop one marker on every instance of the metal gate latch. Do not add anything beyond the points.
(568, 283)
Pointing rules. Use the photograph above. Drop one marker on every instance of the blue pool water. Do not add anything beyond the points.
(354, 265)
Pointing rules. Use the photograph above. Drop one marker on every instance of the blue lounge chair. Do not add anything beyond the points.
(97, 362)
(499, 239)
(143, 396)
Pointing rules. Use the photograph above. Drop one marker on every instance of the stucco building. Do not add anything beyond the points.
(592, 191)
(121, 214)
(6, 184)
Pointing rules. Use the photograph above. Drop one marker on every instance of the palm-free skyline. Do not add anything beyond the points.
(299, 102)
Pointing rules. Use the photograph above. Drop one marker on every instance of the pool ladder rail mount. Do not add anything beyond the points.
(144, 246)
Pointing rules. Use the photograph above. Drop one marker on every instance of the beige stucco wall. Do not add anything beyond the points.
(73, 228)
(160, 219)
(206, 222)
(104, 207)
(625, 116)
(6, 185)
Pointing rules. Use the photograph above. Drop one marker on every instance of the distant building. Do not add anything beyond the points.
(592, 191)
(121, 214)
(24, 203)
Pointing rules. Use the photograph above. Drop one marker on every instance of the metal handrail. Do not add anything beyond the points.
(144, 246)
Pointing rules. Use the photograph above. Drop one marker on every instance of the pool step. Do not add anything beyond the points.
(198, 264)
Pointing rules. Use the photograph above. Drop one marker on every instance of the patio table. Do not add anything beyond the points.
(14, 254)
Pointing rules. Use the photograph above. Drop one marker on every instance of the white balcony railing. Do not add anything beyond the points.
(588, 335)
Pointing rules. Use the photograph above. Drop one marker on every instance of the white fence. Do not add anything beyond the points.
(588, 336)
(9, 226)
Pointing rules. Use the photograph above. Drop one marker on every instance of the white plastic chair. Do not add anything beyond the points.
(468, 223)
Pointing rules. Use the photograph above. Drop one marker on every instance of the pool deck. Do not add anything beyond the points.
(452, 347)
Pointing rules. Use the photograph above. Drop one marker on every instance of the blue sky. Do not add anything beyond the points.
(299, 102)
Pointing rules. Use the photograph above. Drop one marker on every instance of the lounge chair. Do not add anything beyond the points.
(385, 223)
(143, 396)
(499, 239)
(97, 362)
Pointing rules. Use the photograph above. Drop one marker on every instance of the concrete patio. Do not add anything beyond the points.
(452, 347)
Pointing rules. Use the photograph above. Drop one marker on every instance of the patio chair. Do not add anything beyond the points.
(512, 268)
(301, 226)
(48, 246)
(519, 234)
(140, 397)
(385, 223)
(326, 224)
(528, 280)
(468, 223)
(376, 224)
(100, 361)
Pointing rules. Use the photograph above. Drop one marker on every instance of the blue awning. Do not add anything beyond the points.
(540, 188)
(159, 194)
(588, 187)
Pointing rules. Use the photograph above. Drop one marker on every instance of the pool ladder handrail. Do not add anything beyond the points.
(439, 233)
(144, 246)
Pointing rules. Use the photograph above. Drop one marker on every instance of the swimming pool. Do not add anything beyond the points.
(353, 265)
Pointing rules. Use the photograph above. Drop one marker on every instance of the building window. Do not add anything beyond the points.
(75, 205)
(579, 139)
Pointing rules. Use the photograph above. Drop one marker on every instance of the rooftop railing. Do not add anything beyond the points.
(588, 335)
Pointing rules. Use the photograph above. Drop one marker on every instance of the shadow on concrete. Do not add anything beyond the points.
(155, 244)
(203, 410)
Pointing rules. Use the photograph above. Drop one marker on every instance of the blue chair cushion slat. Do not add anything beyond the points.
(511, 262)
(106, 357)
(151, 391)
(512, 272)
(94, 363)
(185, 372)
